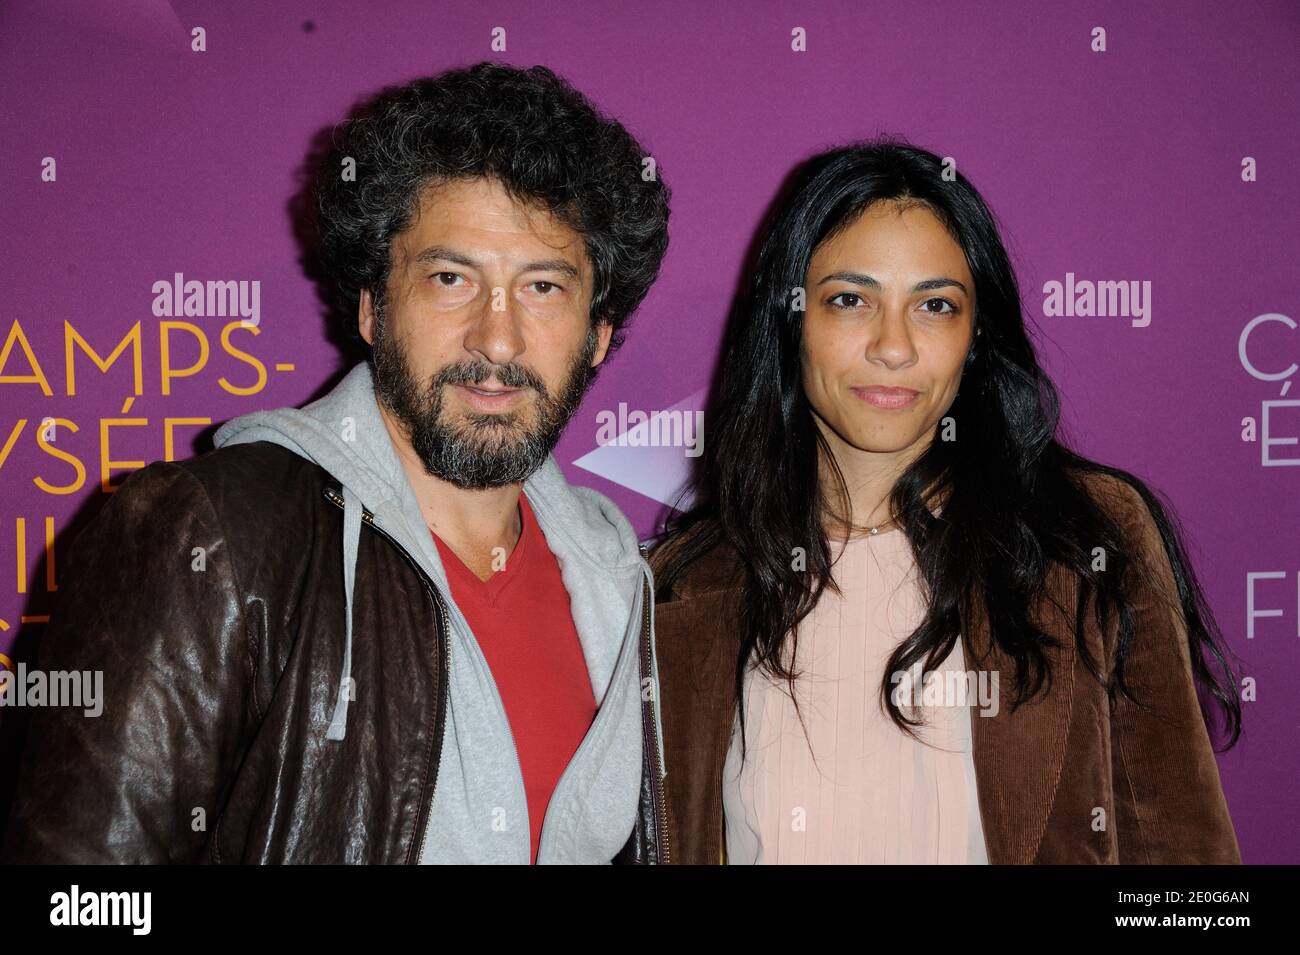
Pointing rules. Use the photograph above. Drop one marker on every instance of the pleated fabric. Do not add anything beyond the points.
(855, 789)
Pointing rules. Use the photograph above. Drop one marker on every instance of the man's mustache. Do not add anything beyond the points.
(476, 373)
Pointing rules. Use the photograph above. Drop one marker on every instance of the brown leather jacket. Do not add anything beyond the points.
(203, 752)
(1040, 771)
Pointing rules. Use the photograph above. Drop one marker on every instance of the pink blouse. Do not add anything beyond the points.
(874, 795)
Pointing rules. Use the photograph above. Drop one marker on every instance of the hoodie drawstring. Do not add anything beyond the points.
(351, 538)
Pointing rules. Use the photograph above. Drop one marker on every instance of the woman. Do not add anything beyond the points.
(902, 622)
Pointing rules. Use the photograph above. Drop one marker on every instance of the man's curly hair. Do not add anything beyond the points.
(528, 129)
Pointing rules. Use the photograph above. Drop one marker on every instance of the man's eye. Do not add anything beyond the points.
(442, 277)
(545, 287)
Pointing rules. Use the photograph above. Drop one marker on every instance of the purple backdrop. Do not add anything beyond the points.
(128, 157)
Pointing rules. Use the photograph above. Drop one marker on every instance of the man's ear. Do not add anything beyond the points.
(366, 316)
(604, 331)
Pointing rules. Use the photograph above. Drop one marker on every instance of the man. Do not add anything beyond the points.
(383, 628)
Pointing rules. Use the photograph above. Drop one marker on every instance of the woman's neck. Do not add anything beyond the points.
(869, 478)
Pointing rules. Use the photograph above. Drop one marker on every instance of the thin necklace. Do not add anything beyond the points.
(873, 531)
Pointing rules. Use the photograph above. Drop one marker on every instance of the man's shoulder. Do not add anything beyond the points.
(261, 485)
(254, 464)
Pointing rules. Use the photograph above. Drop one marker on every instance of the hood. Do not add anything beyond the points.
(344, 433)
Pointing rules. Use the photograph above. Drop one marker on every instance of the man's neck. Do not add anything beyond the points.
(471, 522)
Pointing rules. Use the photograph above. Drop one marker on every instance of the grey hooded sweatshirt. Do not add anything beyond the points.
(480, 812)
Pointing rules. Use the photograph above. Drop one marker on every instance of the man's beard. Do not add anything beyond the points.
(486, 450)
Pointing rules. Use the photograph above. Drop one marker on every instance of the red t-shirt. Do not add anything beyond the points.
(521, 619)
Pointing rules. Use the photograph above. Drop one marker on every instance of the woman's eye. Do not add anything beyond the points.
(839, 301)
(942, 301)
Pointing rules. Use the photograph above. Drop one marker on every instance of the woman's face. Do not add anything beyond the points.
(890, 307)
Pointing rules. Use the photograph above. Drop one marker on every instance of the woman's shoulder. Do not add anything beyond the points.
(1126, 504)
(1120, 499)
(717, 569)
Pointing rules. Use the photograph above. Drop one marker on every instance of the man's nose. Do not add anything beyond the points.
(494, 331)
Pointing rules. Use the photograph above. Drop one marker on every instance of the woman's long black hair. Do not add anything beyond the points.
(1013, 499)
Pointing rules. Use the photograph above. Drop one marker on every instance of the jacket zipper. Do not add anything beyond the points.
(440, 721)
(658, 802)
(659, 807)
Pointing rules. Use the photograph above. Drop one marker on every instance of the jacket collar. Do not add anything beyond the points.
(1019, 755)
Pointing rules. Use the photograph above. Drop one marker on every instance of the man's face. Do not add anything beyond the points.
(483, 344)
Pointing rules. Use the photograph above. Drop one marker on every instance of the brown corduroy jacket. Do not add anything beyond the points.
(1043, 772)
